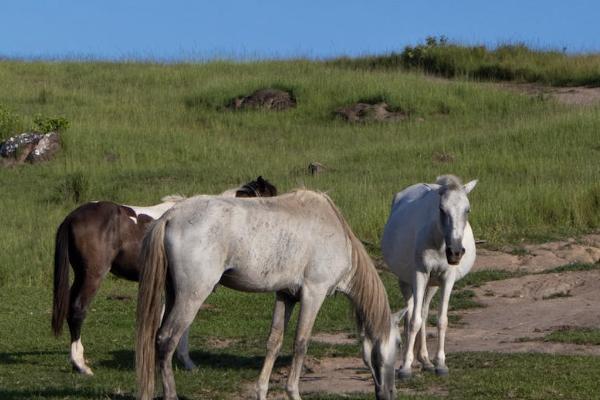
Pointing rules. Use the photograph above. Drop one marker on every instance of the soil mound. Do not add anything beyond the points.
(267, 99)
(365, 112)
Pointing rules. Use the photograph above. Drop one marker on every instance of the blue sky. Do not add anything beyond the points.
(182, 30)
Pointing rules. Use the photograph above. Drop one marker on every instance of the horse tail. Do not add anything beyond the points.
(153, 265)
(60, 302)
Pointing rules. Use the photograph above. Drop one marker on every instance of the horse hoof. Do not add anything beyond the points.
(84, 370)
(428, 367)
(189, 366)
(442, 371)
(403, 375)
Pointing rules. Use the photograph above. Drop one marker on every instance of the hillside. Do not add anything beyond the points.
(139, 131)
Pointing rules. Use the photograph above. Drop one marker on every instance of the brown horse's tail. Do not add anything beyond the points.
(153, 266)
(61, 278)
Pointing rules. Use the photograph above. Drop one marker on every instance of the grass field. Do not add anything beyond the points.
(141, 131)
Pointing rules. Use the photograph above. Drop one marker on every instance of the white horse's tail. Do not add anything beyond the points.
(153, 265)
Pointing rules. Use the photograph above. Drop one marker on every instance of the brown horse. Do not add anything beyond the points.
(99, 237)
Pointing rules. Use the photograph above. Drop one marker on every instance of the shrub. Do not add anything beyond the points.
(74, 187)
(10, 122)
(46, 124)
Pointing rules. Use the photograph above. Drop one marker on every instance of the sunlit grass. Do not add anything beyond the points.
(140, 131)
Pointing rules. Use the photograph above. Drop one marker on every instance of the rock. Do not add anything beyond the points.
(11, 146)
(29, 147)
(45, 149)
(364, 112)
(315, 168)
(268, 99)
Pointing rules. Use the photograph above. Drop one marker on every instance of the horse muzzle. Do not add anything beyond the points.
(454, 257)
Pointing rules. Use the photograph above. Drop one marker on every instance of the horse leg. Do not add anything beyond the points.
(183, 352)
(309, 307)
(419, 285)
(282, 312)
(422, 353)
(407, 293)
(440, 359)
(177, 320)
(84, 288)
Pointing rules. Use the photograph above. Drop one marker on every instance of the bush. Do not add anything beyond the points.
(10, 122)
(47, 124)
(74, 187)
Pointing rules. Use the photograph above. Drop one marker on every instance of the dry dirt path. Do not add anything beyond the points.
(518, 312)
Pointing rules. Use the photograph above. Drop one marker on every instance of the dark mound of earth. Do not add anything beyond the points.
(267, 99)
(365, 112)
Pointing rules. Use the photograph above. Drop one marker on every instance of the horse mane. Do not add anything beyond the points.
(449, 182)
(174, 198)
(366, 289)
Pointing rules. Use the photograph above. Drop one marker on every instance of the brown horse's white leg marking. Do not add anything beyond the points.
(77, 358)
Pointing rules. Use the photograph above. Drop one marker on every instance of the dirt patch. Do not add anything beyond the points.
(530, 307)
(334, 338)
(266, 99)
(365, 112)
(540, 257)
(340, 375)
(517, 314)
(571, 95)
(219, 343)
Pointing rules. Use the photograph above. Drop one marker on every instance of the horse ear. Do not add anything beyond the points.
(470, 186)
(261, 183)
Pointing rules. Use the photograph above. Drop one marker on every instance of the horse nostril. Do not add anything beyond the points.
(462, 251)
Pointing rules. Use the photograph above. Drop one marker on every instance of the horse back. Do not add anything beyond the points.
(104, 237)
(256, 245)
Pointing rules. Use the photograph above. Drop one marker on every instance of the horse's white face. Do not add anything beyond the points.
(454, 215)
(380, 358)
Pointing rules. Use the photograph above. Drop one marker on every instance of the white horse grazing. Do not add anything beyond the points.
(297, 245)
(428, 242)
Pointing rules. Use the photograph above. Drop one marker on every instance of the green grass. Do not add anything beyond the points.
(34, 365)
(140, 131)
(572, 267)
(576, 335)
(478, 278)
(510, 62)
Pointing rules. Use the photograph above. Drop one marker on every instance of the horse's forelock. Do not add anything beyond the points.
(449, 182)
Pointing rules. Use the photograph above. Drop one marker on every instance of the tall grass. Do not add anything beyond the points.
(141, 131)
(510, 62)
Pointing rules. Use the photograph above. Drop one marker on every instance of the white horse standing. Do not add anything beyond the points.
(428, 242)
(297, 245)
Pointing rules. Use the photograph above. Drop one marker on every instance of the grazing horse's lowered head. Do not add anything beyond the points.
(454, 214)
(258, 188)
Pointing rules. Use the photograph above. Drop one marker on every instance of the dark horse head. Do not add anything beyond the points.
(258, 188)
